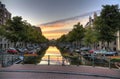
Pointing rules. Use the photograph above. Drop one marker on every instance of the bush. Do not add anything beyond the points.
(115, 60)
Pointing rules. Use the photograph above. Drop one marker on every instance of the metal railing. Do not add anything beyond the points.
(54, 60)
(88, 60)
(96, 60)
(8, 59)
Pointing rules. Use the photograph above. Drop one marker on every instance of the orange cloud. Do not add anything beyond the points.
(55, 30)
(53, 35)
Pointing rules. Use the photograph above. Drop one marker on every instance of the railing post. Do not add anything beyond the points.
(48, 59)
(12, 59)
(35, 60)
(23, 59)
(63, 61)
(2, 60)
(93, 60)
(110, 62)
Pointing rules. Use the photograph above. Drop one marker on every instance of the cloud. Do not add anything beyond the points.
(55, 29)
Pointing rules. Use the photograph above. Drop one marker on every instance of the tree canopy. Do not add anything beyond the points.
(76, 34)
(17, 30)
(108, 23)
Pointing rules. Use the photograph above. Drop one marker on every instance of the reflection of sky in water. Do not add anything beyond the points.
(54, 56)
(52, 51)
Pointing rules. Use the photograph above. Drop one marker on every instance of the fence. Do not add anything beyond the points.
(8, 59)
(88, 60)
(97, 60)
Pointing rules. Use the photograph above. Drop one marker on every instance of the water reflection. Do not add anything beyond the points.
(53, 57)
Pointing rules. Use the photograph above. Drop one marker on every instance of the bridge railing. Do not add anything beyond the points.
(54, 60)
(8, 59)
(97, 60)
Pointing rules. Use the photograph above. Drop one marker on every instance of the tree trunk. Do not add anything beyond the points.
(102, 45)
(107, 45)
(25, 44)
(15, 44)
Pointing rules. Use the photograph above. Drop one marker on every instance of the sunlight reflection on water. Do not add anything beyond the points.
(54, 55)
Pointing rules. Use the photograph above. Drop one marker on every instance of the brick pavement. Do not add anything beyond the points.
(58, 72)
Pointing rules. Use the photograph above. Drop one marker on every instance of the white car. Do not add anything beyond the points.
(110, 53)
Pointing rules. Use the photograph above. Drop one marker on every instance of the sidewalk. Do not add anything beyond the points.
(58, 72)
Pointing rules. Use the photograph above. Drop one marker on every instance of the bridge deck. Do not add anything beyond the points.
(58, 72)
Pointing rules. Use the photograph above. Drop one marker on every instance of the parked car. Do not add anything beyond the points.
(105, 52)
(85, 49)
(77, 50)
(32, 51)
(110, 53)
(25, 50)
(30, 48)
(12, 51)
(91, 51)
(19, 49)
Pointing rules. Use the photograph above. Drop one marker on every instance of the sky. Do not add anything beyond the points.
(51, 15)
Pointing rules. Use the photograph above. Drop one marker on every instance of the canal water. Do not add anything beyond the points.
(53, 57)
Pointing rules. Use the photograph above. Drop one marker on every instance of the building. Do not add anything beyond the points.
(115, 45)
(90, 22)
(4, 16)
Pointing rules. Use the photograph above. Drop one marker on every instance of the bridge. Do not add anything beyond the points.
(27, 71)
(33, 71)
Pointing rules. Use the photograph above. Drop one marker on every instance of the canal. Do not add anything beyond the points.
(53, 57)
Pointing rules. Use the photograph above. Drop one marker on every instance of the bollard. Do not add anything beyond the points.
(48, 59)
(110, 62)
(12, 60)
(2, 60)
(23, 60)
(93, 61)
(63, 63)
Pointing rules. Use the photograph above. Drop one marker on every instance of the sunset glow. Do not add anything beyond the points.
(54, 55)
(55, 30)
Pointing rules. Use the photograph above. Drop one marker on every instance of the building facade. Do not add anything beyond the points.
(4, 16)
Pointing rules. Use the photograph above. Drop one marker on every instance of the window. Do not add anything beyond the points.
(1, 46)
(0, 39)
(4, 45)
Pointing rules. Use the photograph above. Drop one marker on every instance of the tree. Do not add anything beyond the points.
(17, 30)
(107, 23)
(63, 38)
(111, 17)
(2, 30)
(14, 28)
(91, 37)
(77, 34)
